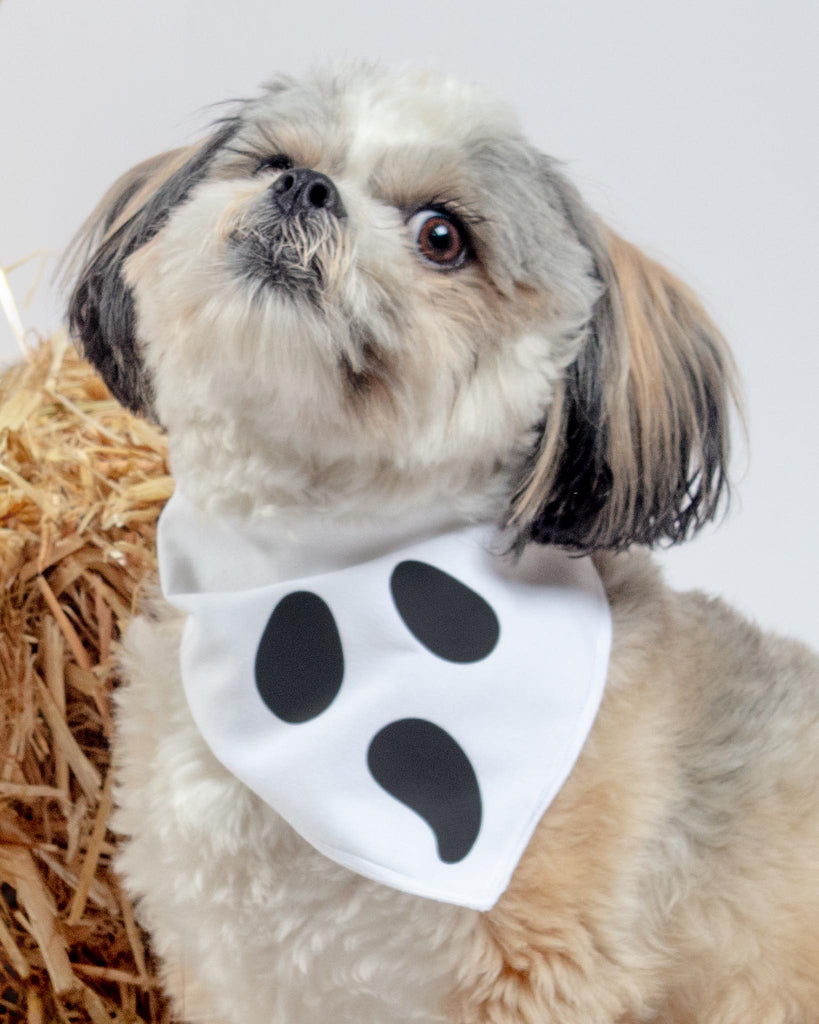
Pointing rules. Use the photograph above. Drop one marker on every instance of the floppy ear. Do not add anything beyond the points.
(100, 312)
(101, 308)
(635, 444)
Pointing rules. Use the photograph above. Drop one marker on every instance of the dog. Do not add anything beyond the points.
(366, 308)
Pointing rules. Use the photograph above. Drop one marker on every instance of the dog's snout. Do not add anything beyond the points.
(302, 190)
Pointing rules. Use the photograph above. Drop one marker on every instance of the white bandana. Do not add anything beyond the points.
(412, 714)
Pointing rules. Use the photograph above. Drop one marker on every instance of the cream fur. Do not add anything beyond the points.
(674, 880)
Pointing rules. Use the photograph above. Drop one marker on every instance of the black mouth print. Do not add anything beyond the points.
(421, 765)
(300, 668)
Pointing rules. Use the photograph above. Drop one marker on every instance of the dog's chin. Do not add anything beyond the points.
(289, 255)
(268, 263)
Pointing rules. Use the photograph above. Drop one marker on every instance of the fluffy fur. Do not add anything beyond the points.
(319, 367)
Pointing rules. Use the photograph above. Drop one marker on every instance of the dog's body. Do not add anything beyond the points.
(416, 315)
(673, 880)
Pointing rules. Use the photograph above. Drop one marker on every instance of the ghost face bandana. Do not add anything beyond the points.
(411, 714)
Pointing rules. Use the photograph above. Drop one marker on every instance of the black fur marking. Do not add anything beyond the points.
(683, 500)
(101, 309)
(9, 894)
(686, 493)
(583, 482)
(257, 257)
(443, 614)
(372, 375)
(421, 765)
(359, 382)
(300, 662)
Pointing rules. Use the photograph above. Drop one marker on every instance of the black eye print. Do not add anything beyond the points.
(300, 661)
(443, 614)
(274, 162)
(423, 767)
(440, 238)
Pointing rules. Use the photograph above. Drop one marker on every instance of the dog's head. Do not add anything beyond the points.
(370, 287)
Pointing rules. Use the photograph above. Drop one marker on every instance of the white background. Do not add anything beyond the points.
(691, 126)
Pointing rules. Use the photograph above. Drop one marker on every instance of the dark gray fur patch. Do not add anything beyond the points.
(101, 309)
(278, 247)
(370, 371)
(270, 251)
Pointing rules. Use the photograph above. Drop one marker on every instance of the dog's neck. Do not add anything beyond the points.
(304, 528)
(296, 488)
(239, 551)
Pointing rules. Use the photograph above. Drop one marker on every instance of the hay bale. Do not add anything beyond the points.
(82, 483)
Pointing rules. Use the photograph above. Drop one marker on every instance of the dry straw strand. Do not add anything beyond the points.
(82, 483)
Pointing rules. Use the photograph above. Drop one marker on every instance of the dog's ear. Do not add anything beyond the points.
(101, 308)
(635, 445)
(100, 311)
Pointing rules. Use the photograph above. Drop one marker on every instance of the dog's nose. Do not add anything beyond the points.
(302, 190)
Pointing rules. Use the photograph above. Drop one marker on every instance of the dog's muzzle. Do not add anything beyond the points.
(304, 192)
(286, 231)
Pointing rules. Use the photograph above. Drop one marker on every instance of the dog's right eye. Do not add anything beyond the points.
(274, 162)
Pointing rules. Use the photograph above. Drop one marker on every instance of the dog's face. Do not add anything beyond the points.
(368, 287)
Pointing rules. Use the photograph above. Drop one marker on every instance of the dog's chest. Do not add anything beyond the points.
(412, 714)
(233, 897)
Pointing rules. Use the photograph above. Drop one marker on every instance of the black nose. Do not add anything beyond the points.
(304, 191)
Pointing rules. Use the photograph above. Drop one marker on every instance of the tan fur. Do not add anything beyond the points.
(675, 879)
(410, 178)
(191, 1000)
(662, 356)
(301, 142)
(232, 215)
(667, 333)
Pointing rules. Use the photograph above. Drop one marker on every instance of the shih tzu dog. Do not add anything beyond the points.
(374, 320)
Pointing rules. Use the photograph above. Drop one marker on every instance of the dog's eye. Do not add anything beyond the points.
(274, 162)
(440, 238)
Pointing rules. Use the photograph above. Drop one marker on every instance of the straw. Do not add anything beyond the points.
(81, 485)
